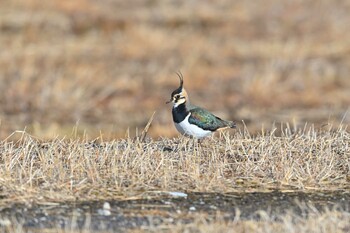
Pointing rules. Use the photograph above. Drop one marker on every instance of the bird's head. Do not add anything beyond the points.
(179, 96)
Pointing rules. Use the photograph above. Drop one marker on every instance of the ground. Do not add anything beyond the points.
(81, 79)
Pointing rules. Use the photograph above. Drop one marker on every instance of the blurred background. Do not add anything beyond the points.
(106, 65)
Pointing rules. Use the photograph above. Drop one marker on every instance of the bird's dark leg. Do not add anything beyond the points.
(194, 140)
(197, 142)
(200, 141)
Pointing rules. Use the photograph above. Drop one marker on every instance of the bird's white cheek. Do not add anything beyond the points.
(179, 102)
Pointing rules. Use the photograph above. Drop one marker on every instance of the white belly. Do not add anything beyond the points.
(191, 130)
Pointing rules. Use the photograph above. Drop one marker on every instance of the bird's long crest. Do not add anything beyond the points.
(179, 74)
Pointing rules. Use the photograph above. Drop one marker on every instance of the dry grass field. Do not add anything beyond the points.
(60, 170)
(108, 65)
(68, 170)
(79, 81)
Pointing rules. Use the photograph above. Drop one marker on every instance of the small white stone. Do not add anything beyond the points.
(178, 194)
(106, 211)
(106, 206)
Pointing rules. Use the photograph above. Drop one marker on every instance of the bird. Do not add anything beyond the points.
(191, 120)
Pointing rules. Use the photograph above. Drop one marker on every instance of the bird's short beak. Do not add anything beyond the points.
(168, 102)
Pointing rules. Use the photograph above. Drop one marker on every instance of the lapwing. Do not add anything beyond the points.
(191, 120)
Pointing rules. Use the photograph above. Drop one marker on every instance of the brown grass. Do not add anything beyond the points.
(59, 170)
(109, 64)
(329, 221)
(104, 67)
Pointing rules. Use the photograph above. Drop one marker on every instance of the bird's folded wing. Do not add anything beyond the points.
(205, 120)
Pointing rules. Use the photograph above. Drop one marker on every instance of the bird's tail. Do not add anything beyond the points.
(231, 124)
(228, 124)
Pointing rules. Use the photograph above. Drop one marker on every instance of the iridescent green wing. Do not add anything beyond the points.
(206, 120)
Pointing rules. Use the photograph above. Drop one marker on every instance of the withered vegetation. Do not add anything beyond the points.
(76, 169)
(108, 64)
